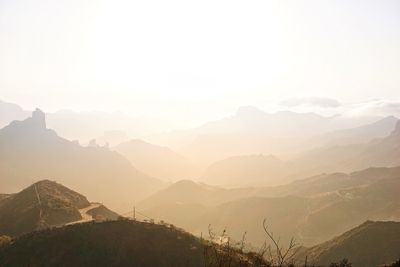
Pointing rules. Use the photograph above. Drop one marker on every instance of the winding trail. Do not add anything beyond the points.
(84, 214)
(42, 222)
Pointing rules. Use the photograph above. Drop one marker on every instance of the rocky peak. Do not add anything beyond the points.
(39, 118)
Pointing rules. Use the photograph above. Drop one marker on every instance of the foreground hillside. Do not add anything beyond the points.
(368, 245)
(117, 243)
(45, 204)
(28, 149)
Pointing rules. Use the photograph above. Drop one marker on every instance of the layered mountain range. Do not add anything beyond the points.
(312, 210)
(29, 151)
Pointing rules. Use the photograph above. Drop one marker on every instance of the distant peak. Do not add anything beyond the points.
(39, 118)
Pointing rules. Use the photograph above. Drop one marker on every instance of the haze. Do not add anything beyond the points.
(200, 133)
(185, 63)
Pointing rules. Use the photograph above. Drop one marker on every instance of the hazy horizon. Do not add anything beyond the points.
(200, 133)
(186, 63)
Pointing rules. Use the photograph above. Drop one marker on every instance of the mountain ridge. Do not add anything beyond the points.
(28, 149)
(368, 245)
(45, 204)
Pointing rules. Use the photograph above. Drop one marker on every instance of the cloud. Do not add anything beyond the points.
(375, 107)
(311, 102)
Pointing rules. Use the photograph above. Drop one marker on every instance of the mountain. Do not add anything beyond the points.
(384, 152)
(107, 127)
(332, 182)
(253, 170)
(28, 150)
(118, 243)
(4, 196)
(253, 131)
(189, 192)
(185, 202)
(312, 210)
(46, 204)
(42, 204)
(336, 203)
(252, 120)
(156, 161)
(316, 214)
(10, 112)
(361, 134)
(367, 245)
(241, 171)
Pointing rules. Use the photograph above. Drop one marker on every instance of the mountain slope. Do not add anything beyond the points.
(157, 161)
(29, 150)
(45, 204)
(40, 205)
(114, 243)
(368, 245)
(312, 210)
(331, 182)
(3, 196)
(242, 171)
(384, 152)
(252, 131)
(189, 192)
(253, 170)
(362, 134)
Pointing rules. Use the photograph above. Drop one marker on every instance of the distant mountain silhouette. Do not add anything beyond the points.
(107, 127)
(41, 205)
(111, 127)
(10, 112)
(384, 152)
(325, 183)
(189, 192)
(254, 121)
(361, 134)
(240, 171)
(251, 131)
(118, 244)
(254, 170)
(158, 161)
(367, 245)
(28, 150)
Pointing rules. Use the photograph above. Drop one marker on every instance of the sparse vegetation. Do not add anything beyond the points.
(122, 243)
(4, 240)
(393, 264)
(343, 263)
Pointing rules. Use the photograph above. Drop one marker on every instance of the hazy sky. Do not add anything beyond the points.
(189, 59)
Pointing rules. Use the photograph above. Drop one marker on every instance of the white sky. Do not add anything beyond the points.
(189, 60)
